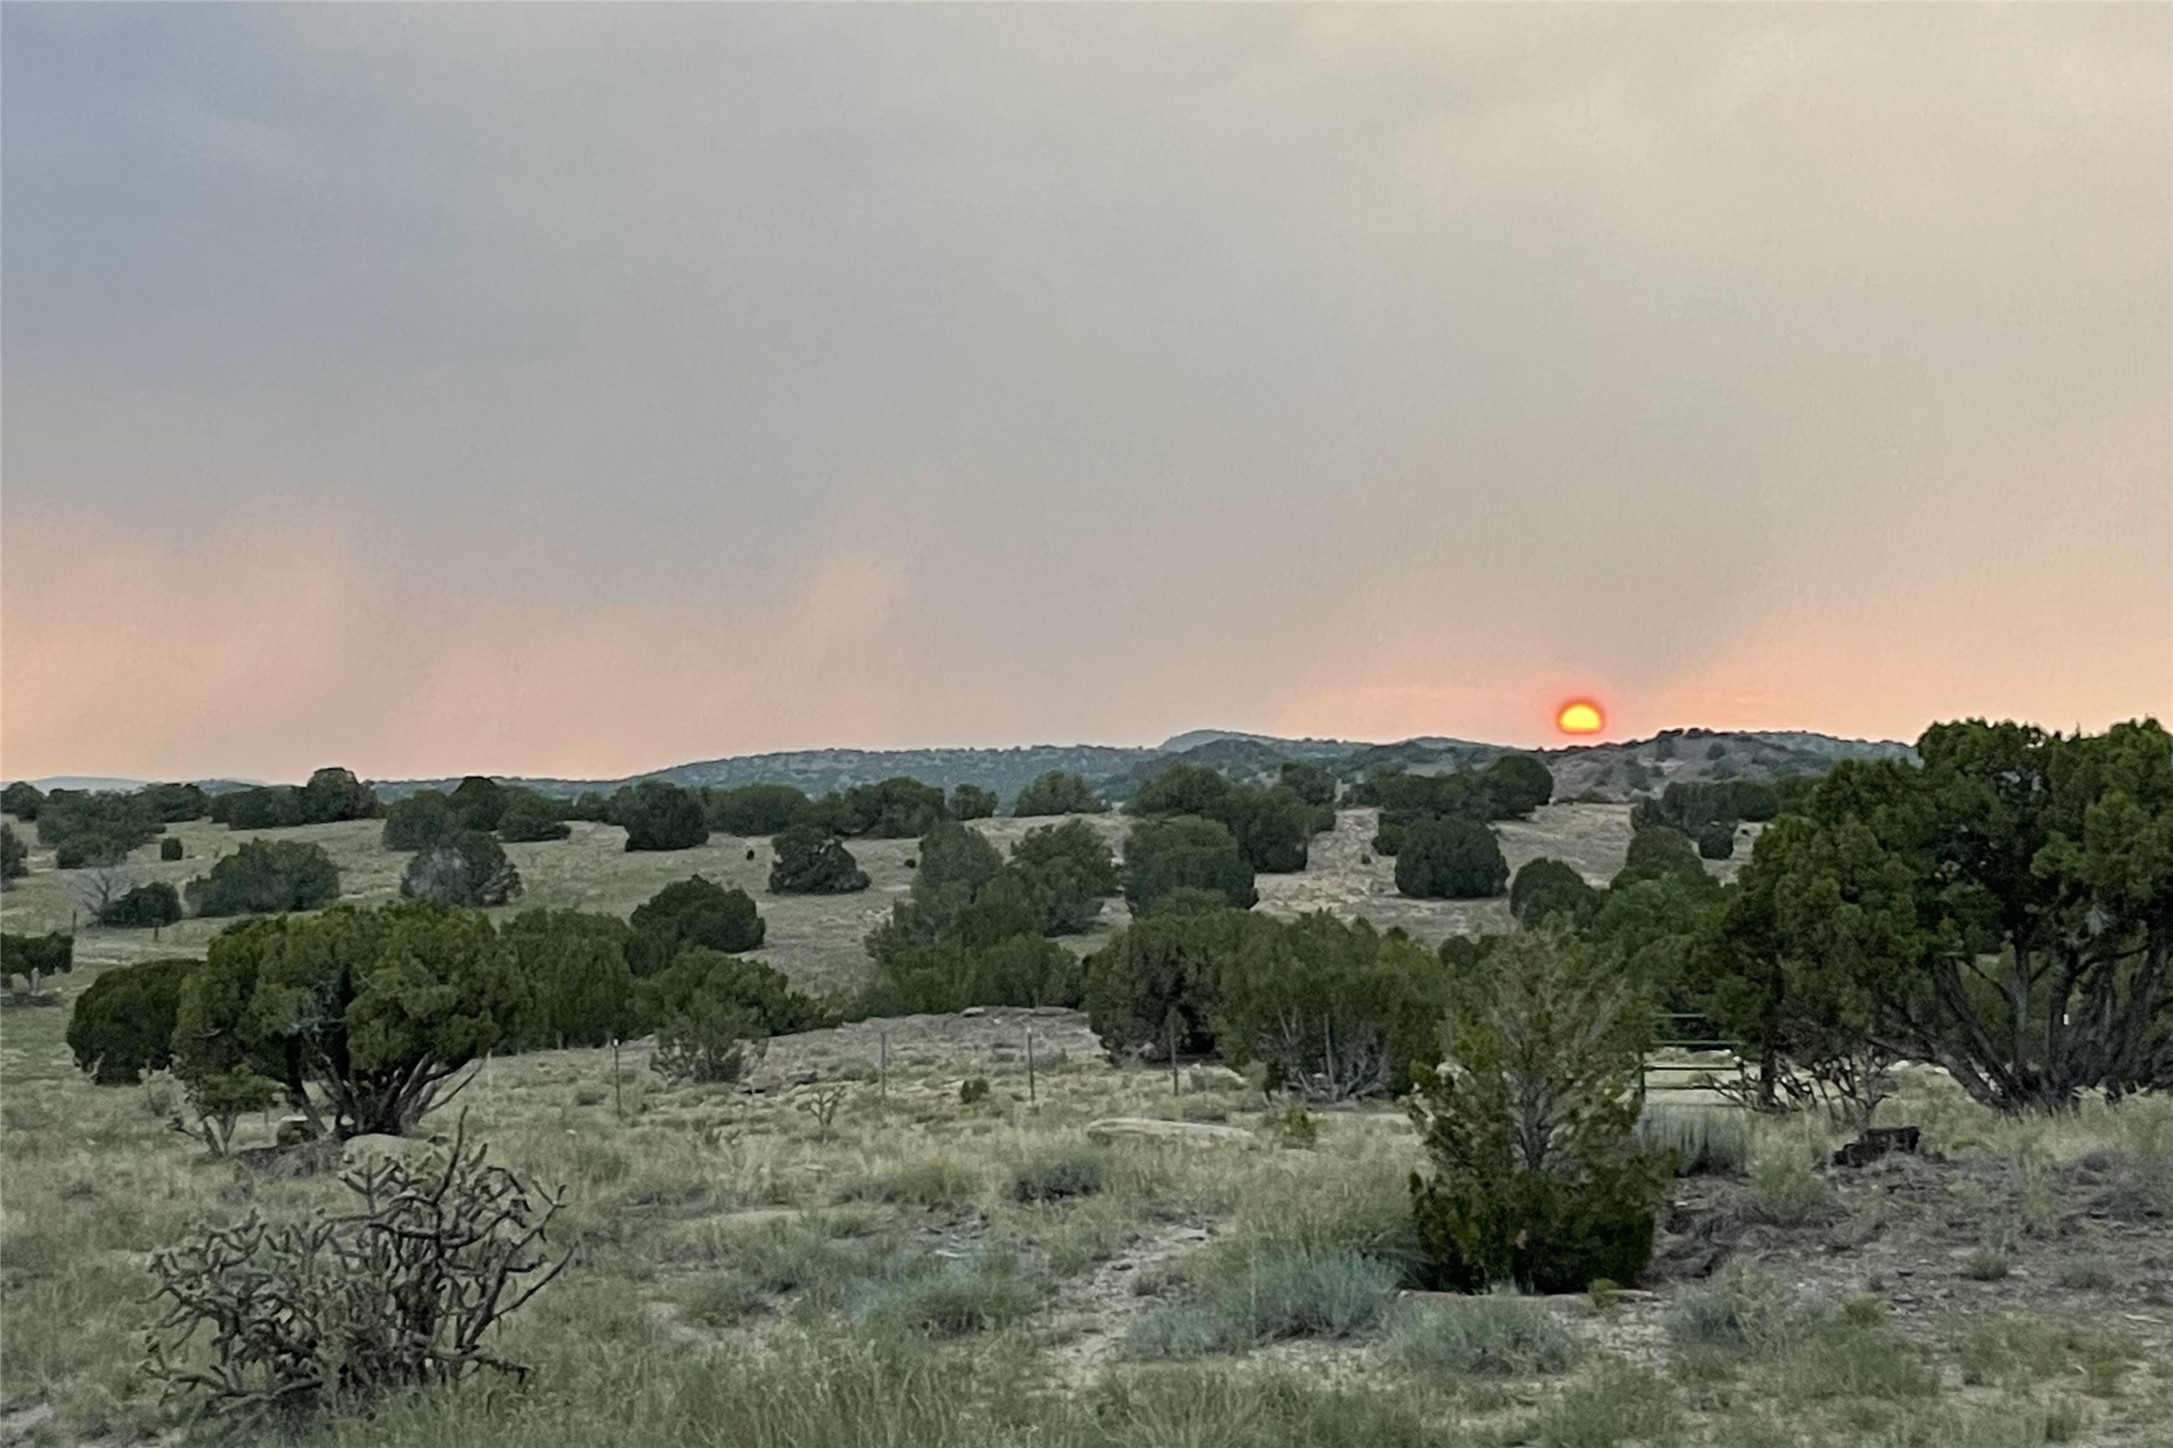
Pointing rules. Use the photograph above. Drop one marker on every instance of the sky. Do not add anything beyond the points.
(577, 390)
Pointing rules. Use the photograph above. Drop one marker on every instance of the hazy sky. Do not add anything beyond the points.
(571, 390)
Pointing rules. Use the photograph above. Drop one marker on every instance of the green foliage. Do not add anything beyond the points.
(1516, 784)
(530, 818)
(123, 1023)
(581, 992)
(1657, 853)
(334, 794)
(1450, 859)
(1716, 841)
(1313, 782)
(144, 907)
(175, 803)
(267, 807)
(266, 877)
(659, 816)
(95, 828)
(1166, 854)
(1169, 965)
(756, 809)
(1547, 889)
(2005, 910)
(169, 849)
(895, 809)
(690, 912)
(376, 1009)
(1336, 1010)
(1078, 1172)
(1530, 1124)
(1272, 827)
(36, 957)
(15, 855)
(950, 974)
(1067, 870)
(704, 982)
(420, 821)
(1691, 806)
(1497, 1335)
(1263, 1293)
(973, 1091)
(479, 801)
(971, 802)
(1057, 793)
(23, 800)
(469, 869)
(812, 861)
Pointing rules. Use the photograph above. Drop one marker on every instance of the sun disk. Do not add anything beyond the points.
(1580, 716)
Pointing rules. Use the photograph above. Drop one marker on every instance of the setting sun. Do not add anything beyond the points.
(1580, 716)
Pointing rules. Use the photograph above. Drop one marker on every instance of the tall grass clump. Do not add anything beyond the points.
(1785, 1187)
(1705, 1140)
(1077, 1171)
(1499, 1335)
(1743, 1308)
(1250, 1296)
(956, 1299)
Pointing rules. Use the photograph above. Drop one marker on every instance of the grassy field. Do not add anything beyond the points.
(743, 1275)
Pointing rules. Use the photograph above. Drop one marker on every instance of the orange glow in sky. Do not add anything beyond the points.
(1580, 716)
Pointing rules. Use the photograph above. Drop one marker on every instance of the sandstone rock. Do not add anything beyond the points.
(1148, 1128)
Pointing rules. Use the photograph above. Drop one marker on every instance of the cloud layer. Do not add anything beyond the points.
(578, 389)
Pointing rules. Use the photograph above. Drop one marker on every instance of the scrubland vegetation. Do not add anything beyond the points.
(833, 1124)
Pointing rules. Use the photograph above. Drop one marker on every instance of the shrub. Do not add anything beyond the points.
(1266, 1293)
(1785, 1187)
(334, 794)
(266, 877)
(529, 818)
(659, 816)
(707, 983)
(1310, 781)
(973, 1090)
(1336, 1010)
(895, 809)
(1659, 853)
(1497, 1335)
(1545, 888)
(581, 992)
(1163, 976)
(694, 911)
(403, 997)
(169, 849)
(1530, 1121)
(22, 799)
(1067, 869)
(811, 861)
(15, 855)
(469, 869)
(950, 975)
(1716, 841)
(756, 809)
(36, 957)
(971, 802)
(123, 1023)
(423, 819)
(1742, 1307)
(174, 803)
(95, 828)
(266, 807)
(1055, 793)
(144, 907)
(1078, 1172)
(1516, 784)
(1450, 859)
(480, 801)
(402, 1293)
(1165, 855)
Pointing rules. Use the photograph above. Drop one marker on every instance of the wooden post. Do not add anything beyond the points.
(1169, 1032)
(618, 1105)
(882, 1066)
(1030, 1100)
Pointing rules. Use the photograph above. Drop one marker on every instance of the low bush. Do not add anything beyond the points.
(36, 957)
(169, 849)
(266, 877)
(1450, 859)
(15, 855)
(693, 912)
(957, 1299)
(812, 861)
(419, 821)
(1745, 1308)
(1716, 842)
(1496, 1335)
(1078, 1172)
(144, 907)
(659, 816)
(529, 818)
(1057, 793)
(123, 1023)
(471, 868)
(1786, 1189)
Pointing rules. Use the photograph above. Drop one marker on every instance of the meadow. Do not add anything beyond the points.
(921, 1268)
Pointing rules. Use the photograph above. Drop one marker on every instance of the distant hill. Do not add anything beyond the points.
(1610, 771)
